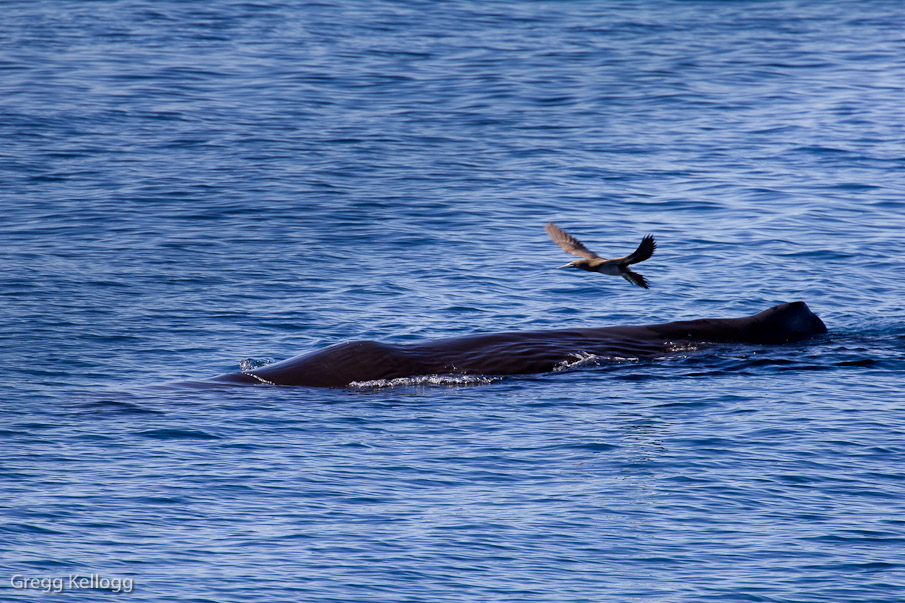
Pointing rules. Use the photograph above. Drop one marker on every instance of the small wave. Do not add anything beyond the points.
(178, 434)
(116, 406)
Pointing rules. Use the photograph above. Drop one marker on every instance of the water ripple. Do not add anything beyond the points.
(195, 188)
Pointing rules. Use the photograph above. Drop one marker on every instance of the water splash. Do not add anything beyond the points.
(250, 364)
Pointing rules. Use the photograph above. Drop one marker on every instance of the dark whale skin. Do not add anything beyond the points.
(515, 353)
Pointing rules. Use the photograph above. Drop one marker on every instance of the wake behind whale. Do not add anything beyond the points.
(514, 353)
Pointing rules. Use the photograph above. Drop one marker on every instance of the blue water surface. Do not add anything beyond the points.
(188, 188)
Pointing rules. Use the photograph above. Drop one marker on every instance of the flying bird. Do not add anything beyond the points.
(594, 263)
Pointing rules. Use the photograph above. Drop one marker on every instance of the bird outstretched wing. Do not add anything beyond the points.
(569, 243)
(644, 251)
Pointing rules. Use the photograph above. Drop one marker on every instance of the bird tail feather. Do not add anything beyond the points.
(635, 278)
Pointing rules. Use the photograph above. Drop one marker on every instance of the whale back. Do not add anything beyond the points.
(525, 352)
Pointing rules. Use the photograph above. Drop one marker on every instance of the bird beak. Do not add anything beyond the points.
(569, 265)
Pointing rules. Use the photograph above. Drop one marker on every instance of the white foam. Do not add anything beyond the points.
(457, 380)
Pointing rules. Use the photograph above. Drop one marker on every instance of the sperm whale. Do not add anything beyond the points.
(515, 353)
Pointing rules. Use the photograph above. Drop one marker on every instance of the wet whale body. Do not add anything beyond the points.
(525, 352)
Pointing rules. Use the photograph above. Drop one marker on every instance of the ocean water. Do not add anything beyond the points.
(188, 188)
